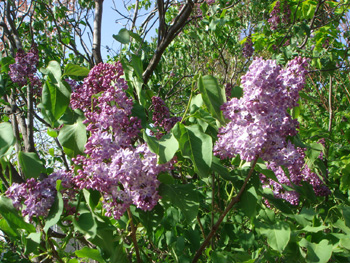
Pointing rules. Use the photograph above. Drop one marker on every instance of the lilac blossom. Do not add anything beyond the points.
(23, 70)
(298, 172)
(35, 198)
(248, 49)
(112, 165)
(161, 117)
(259, 125)
(279, 15)
(259, 122)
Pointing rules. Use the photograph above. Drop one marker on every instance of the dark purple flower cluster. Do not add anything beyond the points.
(161, 116)
(248, 49)
(35, 198)
(100, 78)
(23, 70)
(228, 90)
(298, 172)
(124, 174)
(279, 15)
(74, 85)
(259, 122)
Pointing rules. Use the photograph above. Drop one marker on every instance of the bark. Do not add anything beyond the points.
(166, 36)
(96, 46)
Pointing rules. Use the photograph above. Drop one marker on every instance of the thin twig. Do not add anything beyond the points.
(133, 236)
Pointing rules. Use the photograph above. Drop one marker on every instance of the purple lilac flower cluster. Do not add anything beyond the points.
(279, 15)
(35, 198)
(24, 69)
(161, 116)
(248, 48)
(228, 90)
(74, 85)
(298, 172)
(259, 124)
(124, 174)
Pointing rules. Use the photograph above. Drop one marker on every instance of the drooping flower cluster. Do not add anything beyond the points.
(124, 174)
(35, 198)
(161, 116)
(298, 172)
(259, 124)
(279, 15)
(23, 70)
(248, 49)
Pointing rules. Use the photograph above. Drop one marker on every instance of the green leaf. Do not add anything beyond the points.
(195, 145)
(30, 164)
(123, 36)
(278, 235)
(12, 217)
(137, 65)
(55, 94)
(346, 215)
(165, 148)
(5, 62)
(314, 229)
(248, 202)
(92, 198)
(151, 221)
(32, 243)
(220, 169)
(75, 70)
(345, 242)
(89, 253)
(55, 211)
(54, 68)
(317, 253)
(261, 168)
(183, 197)
(86, 224)
(5, 227)
(213, 96)
(196, 102)
(73, 137)
(7, 139)
(276, 202)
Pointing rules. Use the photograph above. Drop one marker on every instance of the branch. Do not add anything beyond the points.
(96, 45)
(135, 15)
(168, 36)
(320, 2)
(133, 236)
(330, 106)
(30, 119)
(12, 26)
(228, 208)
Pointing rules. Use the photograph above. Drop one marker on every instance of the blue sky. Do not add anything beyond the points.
(110, 26)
